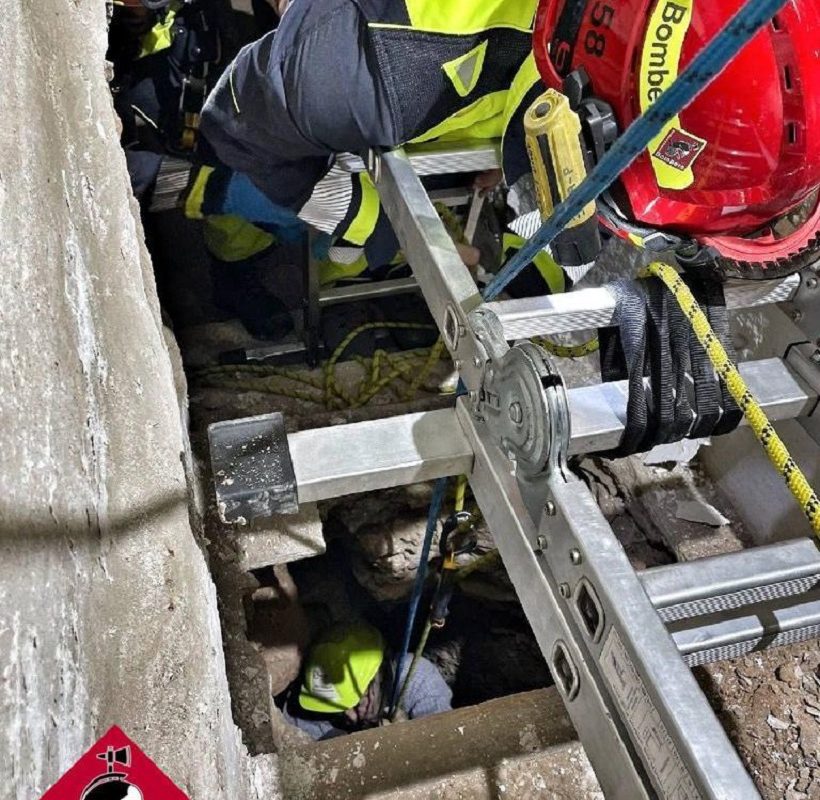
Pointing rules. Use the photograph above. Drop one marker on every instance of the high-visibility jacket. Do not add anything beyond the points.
(344, 76)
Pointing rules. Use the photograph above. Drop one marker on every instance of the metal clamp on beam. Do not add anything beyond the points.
(253, 471)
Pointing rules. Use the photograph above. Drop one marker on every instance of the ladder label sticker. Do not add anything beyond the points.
(669, 774)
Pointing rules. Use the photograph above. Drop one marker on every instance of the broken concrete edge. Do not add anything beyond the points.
(520, 745)
(279, 540)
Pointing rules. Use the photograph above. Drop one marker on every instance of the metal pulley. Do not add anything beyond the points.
(524, 402)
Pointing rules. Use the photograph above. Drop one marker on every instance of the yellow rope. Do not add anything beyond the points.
(381, 371)
(376, 381)
(461, 490)
(568, 350)
(758, 421)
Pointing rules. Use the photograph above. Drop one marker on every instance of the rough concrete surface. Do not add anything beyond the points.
(521, 746)
(107, 610)
(279, 540)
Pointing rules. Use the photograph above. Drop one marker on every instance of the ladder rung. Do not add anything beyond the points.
(448, 158)
(683, 590)
(595, 308)
(365, 456)
(367, 290)
(726, 635)
(378, 454)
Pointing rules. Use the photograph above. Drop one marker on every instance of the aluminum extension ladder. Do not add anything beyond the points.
(619, 644)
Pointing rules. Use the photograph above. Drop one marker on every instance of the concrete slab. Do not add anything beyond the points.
(279, 540)
(520, 746)
(108, 614)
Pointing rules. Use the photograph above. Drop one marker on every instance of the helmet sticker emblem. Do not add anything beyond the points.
(679, 149)
(321, 684)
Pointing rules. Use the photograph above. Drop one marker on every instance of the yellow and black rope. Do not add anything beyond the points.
(381, 371)
(758, 421)
(568, 350)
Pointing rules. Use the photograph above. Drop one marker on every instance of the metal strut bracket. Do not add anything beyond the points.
(253, 471)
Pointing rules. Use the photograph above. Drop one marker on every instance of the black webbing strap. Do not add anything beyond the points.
(710, 297)
(653, 338)
(623, 356)
(680, 342)
(706, 388)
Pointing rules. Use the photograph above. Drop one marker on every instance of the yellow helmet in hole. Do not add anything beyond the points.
(340, 667)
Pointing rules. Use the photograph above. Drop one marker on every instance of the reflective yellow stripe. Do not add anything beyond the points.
(660, 64)
(332, 271)
(526, 77)
(549, 269)
(463, 17)
(465, 70)
(160, 37)
(482, 119)
(365, 220)
(231, 238)
(195, 198)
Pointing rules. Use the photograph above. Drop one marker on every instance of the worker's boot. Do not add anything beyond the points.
(238, 291)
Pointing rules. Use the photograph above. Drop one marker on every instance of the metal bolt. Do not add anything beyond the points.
(458, 364)
(476, 362)
(549, 507)
(374, 163)
(815, 356)
(516, 413)
(563, 590)
(541, 543)
(811, 283)
(575, 556)
(796, 315)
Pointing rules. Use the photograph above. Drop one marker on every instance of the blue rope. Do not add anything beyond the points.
(418, 586)
(708, 63)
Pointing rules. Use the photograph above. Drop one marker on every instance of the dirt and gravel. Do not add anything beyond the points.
(769, 704)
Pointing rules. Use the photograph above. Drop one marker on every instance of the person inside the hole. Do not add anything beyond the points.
(347, 681)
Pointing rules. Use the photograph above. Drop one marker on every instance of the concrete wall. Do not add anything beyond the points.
(107, 610)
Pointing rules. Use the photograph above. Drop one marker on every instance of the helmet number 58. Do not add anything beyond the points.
(595, 40)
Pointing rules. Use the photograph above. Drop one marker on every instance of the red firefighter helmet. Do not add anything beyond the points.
(742, 156)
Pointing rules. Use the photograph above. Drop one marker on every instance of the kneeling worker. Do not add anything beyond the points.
(347, 680)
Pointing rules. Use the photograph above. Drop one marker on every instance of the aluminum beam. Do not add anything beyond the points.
(680, 741)
(447, 286)
(643, 721)
(585, 309)
(614, 760)
(379, 454)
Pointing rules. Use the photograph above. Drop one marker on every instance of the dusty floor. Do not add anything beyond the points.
(769, 704)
